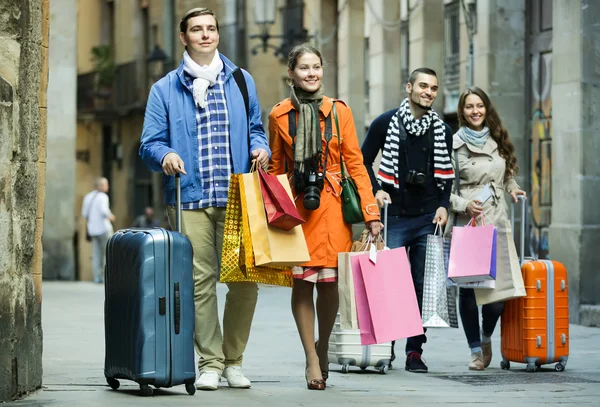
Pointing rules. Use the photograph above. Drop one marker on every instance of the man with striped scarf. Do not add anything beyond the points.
(415, 176)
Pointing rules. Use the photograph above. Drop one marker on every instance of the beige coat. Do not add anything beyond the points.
(476, 168)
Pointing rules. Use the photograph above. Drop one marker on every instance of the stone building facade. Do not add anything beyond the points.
(23, 118)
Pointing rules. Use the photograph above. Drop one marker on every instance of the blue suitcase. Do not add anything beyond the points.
(149, 308)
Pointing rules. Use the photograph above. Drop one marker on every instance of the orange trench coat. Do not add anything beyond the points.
(325, 231)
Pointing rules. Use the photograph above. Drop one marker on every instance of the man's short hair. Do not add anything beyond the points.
(416, 72)
(195, 12)
(99, 182)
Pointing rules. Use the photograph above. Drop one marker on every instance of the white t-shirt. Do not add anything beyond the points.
(96, 210)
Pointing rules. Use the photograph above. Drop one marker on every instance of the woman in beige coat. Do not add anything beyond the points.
(486, 159)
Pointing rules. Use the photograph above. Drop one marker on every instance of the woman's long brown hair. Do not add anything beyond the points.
(498, 132)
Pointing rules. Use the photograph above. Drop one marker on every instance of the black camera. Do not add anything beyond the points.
(312, 191)
(415, 177)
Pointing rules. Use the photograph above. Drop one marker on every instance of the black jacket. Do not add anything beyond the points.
(408, 200)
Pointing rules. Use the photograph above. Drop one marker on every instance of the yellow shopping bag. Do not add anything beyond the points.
(237, 258)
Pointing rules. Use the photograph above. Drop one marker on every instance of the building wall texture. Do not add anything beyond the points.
(575, 229)
(23, 81)
(59, 220)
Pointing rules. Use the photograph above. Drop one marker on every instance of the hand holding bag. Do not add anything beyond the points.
(350, 198)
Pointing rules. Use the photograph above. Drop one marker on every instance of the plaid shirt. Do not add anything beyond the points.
(213, 146)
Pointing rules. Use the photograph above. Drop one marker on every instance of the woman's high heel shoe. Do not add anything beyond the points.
(324, 373)
(316, 384)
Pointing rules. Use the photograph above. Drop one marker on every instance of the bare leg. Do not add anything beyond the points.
(304, 313)
(327, 308)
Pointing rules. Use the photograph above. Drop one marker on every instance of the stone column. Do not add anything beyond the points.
(351, 60)
(385, 88)
(499, 69)
(59, 222)
(575, 227)
(328, 45)
(426, 30)
(23, 82)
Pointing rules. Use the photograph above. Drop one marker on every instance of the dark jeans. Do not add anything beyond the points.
(411, 232)
(469, 315)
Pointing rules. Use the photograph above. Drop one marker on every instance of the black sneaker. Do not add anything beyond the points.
(415, 363)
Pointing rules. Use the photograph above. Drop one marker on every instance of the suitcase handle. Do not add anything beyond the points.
(385, 226)
(177, 308)
(523, 201)
(178, 202)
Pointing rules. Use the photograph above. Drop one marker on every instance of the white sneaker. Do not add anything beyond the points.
(208, 380)
(235, 377)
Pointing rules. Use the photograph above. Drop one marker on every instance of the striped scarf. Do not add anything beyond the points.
(442, 165)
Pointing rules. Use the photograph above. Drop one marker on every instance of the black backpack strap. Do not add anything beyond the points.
(238, 75)
(292, 117)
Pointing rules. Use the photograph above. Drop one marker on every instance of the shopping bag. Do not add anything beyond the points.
(386, 300)
(237, 257)
(347, 298)
(346, 289)
(280, 209)
(272, 246)
(435, 312)
(451, 289)
(509, 279)
(472, 253)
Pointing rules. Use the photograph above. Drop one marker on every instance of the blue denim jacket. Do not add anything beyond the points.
(170, 126)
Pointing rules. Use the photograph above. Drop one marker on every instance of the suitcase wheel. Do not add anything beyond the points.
(559, 367)
(530, 368)
(145, 390)
(505, 365)
(345, 368)
(383, 369)
(190, 388)
(113, 383)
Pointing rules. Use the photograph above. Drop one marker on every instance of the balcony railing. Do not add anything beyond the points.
(128, 92)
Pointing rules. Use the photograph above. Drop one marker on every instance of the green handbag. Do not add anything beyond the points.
(350, 199)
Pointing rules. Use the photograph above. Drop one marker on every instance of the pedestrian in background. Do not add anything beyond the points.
(146, 220)
(196, 125)
(415, 176)
(313, 157)
(96, 211)
(486, 160)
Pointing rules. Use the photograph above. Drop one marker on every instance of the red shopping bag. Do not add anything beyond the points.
(279, 206)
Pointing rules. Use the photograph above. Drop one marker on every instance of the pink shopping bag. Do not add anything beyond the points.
(386, 301)
(472, 253)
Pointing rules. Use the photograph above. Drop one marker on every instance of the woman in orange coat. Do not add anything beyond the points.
(312, 160)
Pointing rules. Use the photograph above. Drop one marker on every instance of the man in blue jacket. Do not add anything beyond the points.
(197, 123)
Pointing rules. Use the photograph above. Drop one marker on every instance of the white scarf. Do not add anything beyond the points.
(204, 76)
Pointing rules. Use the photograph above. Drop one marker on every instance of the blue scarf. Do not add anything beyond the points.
(474, 137)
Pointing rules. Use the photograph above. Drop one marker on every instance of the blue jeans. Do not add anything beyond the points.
(411, 232)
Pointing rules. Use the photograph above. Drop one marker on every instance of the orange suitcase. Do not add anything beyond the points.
(535, 328)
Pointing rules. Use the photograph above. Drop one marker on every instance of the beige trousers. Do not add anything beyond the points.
(204, 228)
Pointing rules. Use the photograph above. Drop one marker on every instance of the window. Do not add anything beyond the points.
(451, 56)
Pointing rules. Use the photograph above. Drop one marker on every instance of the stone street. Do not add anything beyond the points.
(74, 359)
